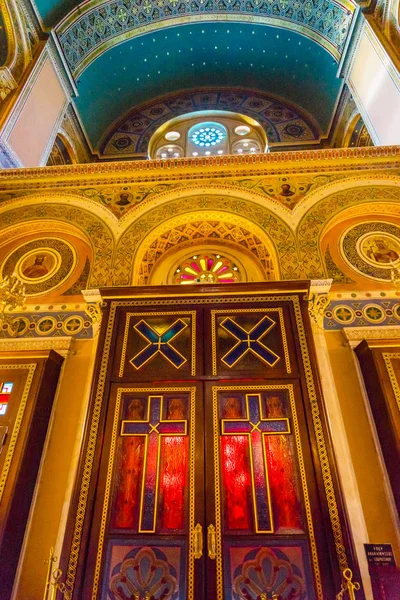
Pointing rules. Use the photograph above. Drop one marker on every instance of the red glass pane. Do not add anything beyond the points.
(129, 479)
(236, 481)
(173, 482)
(283, 478)
(222, 269)
(283, 484)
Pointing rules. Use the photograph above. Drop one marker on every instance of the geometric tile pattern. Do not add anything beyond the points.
(325, 21)
(205, 232)
(49, 324)
(362, 313)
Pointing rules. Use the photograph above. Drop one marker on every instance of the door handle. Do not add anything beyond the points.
(211, 542)
(197, 541)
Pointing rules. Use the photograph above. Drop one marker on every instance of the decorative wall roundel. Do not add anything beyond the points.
(372, 249)
(42, 264)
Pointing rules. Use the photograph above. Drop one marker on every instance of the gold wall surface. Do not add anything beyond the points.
(125, 220)
(378, 515)
(47, 522)
(289, 200)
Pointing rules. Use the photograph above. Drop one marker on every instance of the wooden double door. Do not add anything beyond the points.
(213, 478)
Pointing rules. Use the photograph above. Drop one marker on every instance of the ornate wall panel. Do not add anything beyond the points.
(206, 233)
(282, 122)
(99, 235)
(277, 231)
(310, 227)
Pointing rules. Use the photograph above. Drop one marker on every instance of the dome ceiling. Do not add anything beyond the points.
(219, 55)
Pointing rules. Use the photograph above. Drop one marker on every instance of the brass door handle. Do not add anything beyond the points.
(197, 541)
(211, 542)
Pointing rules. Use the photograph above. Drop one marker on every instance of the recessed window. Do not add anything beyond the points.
(207, 136)
(5, 391)
(170, 151)
(172, 136)
(247, 146)
(242, 130)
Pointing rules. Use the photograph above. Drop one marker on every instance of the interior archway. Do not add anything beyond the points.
(197, 233)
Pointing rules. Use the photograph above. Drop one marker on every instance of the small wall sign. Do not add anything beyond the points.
(380, 555)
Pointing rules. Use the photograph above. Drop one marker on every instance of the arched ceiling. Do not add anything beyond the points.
(94, 23)
(257, 57)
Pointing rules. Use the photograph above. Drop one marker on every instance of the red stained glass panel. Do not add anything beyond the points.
(283, 477)
(152, 466)
(173, 483)
(283, 484)
(130, 473)
(236, 482)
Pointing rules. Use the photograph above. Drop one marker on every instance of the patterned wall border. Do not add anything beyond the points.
(387, 357)
(308, 161)
(372, 312)
(49, 324)
(86, 34)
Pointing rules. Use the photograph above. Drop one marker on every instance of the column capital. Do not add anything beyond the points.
(318, 301)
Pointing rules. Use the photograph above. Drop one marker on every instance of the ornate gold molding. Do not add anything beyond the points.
(146, 302)
(324, 161)
(60, 345)
(318, 301)
(7, 82)
(354, 335)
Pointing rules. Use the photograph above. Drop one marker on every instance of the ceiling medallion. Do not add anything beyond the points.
(207, 268)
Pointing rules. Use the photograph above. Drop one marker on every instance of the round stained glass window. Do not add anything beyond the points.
(208, 136)
(210, 268)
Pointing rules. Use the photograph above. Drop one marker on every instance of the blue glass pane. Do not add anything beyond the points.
(207, 136)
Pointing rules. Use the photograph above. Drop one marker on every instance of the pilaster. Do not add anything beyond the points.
(318, 303)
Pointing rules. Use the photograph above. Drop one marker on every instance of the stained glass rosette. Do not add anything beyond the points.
(207, 136)
(207, 269)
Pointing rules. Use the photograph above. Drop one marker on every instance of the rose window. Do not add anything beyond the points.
(208, 268)
(208, 136)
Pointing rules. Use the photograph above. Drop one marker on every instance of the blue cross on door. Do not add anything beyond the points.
(159, 343)
(249, 341)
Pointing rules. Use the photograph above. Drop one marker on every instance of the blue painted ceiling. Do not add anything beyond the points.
(51, 11)
(189, 56)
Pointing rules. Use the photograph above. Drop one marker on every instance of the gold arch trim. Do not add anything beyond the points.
(206, 215)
